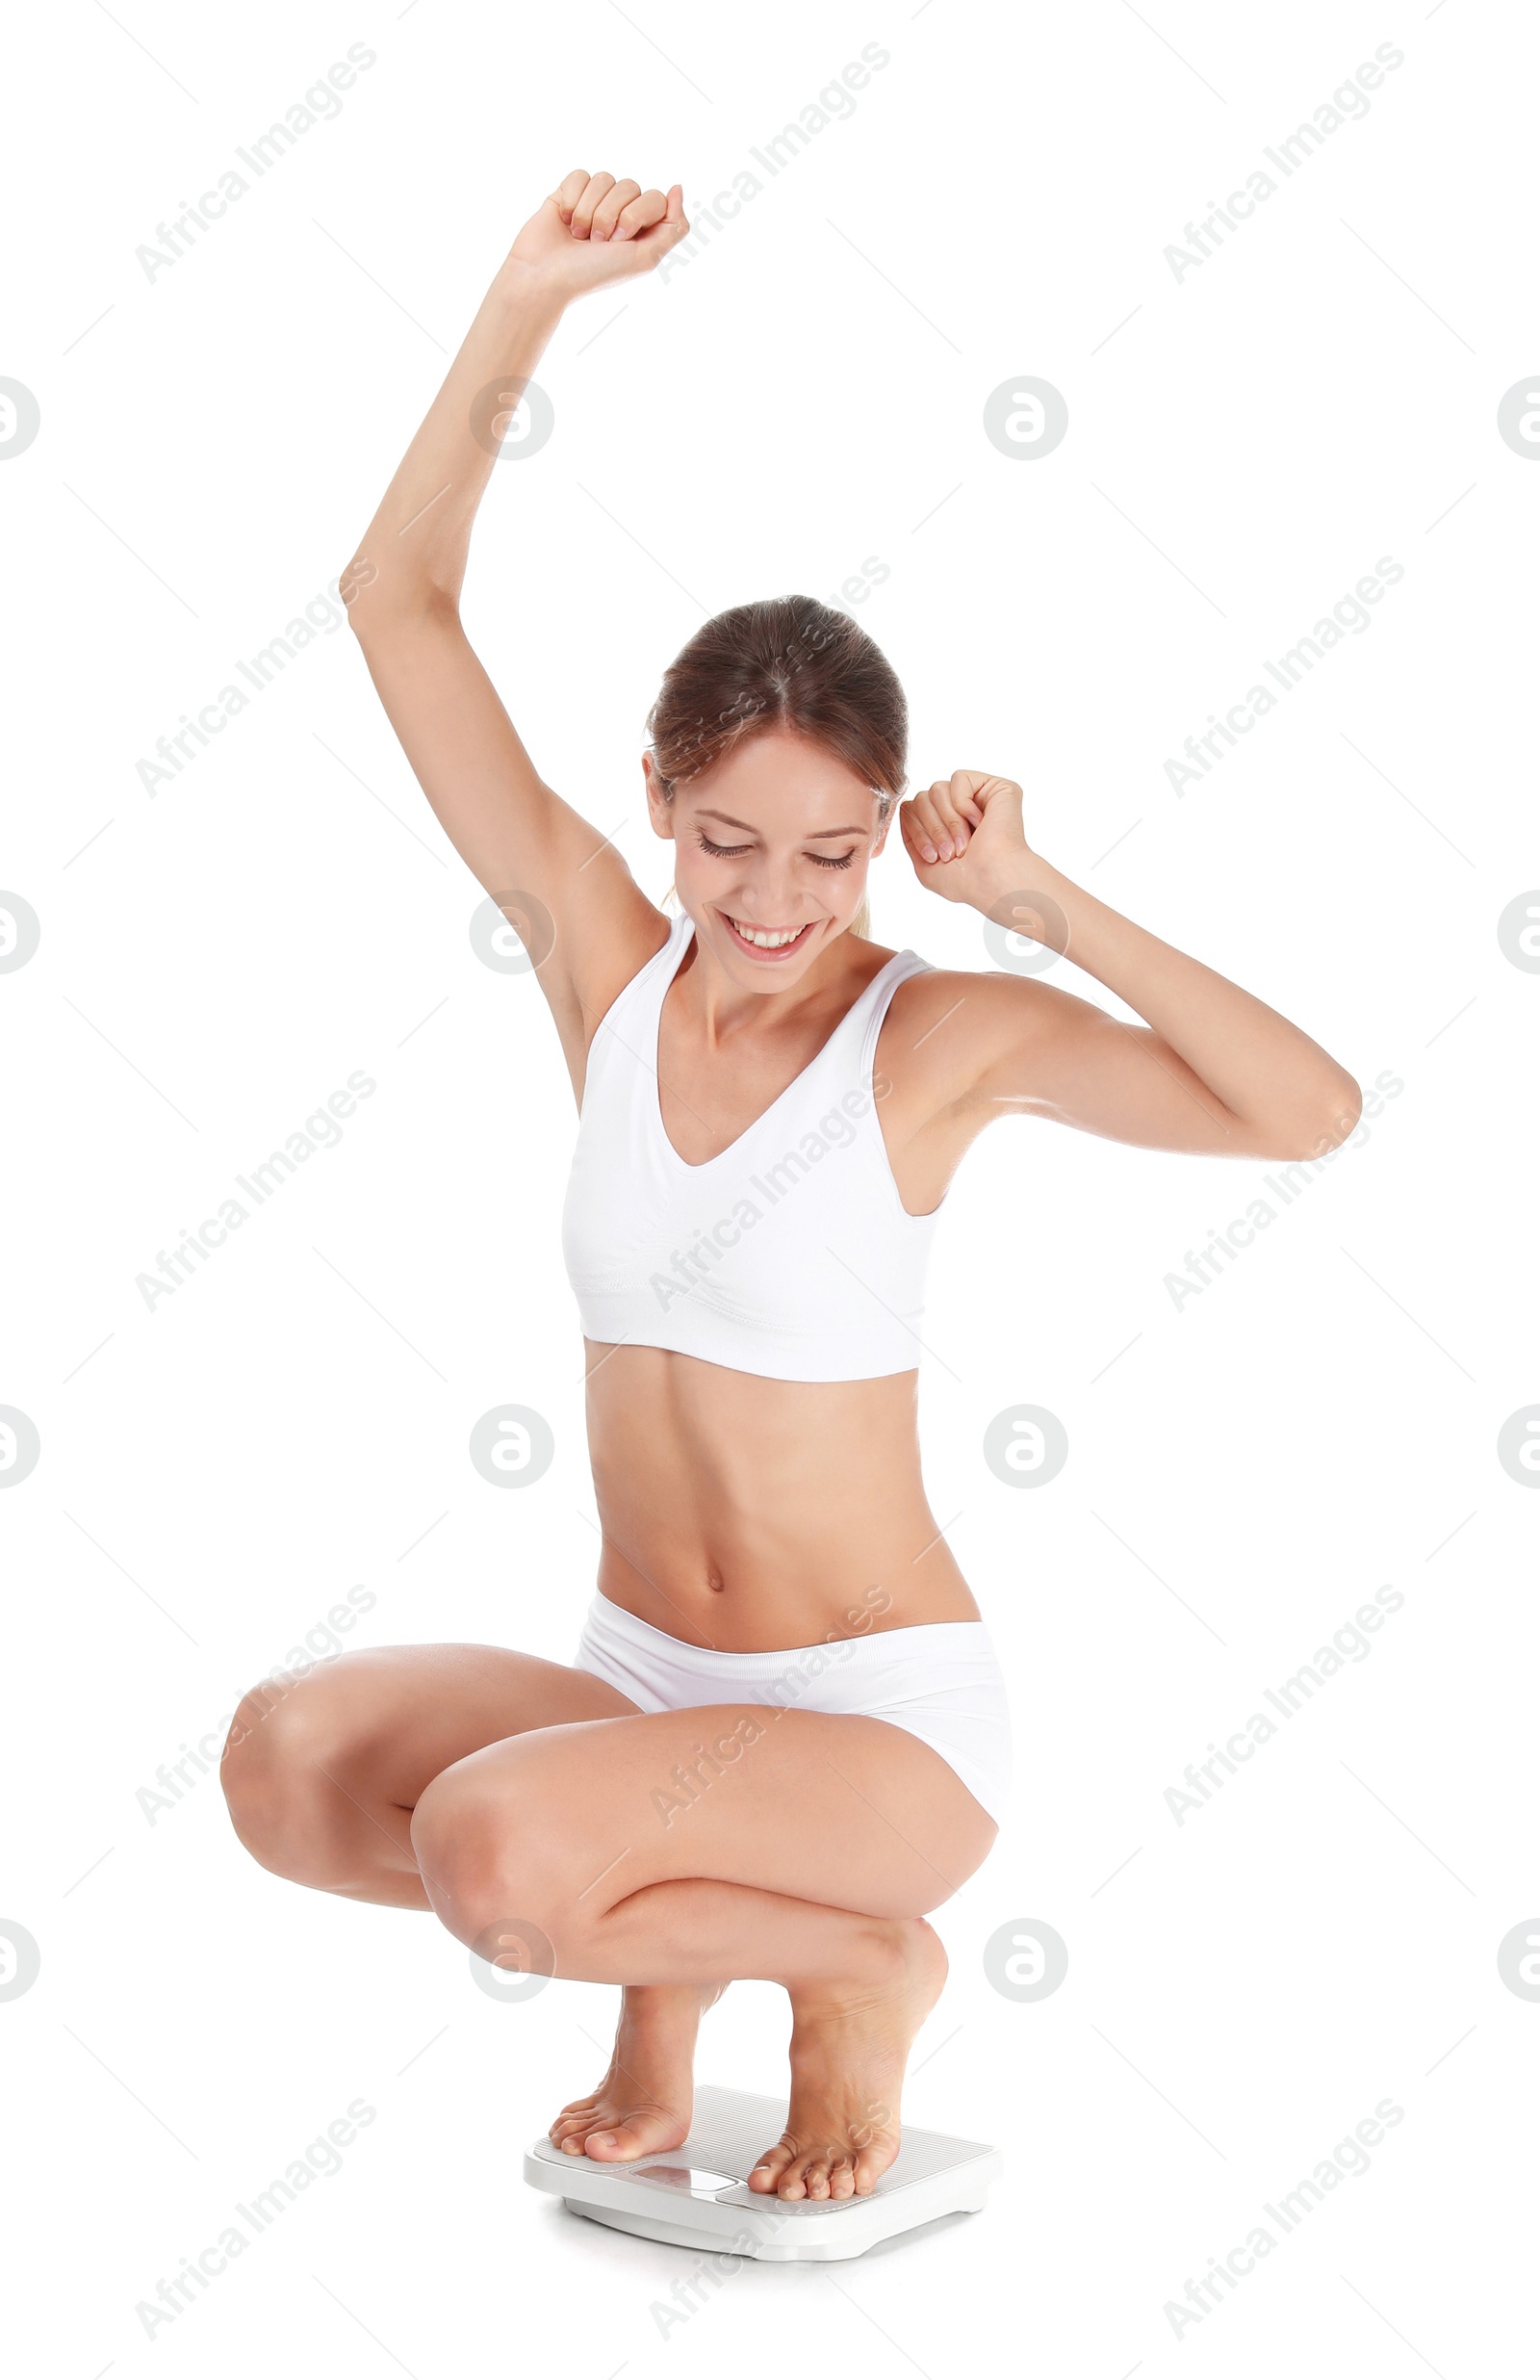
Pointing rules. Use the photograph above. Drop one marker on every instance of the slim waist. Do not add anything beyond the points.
(938, 1640)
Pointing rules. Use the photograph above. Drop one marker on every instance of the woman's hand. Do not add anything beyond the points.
(595, 229)
(966, 839)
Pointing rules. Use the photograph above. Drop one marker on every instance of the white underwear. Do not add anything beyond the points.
(940, 1682)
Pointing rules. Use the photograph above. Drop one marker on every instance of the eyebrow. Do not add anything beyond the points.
(825, 833)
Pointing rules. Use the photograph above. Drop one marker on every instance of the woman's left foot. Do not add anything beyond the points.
(848, 2054)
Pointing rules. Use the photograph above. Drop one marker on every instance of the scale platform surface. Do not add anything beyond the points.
(697, 2195)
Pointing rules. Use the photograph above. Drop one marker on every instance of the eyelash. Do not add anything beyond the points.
(731, 851)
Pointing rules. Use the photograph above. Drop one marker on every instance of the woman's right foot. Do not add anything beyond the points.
(646, 2100)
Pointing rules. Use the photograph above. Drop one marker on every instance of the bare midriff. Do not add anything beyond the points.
(751, 1514)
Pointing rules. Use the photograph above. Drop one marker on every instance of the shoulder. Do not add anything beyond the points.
(983, 1004)
(947, 1026)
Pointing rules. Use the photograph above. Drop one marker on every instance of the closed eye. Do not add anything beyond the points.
(734, 851)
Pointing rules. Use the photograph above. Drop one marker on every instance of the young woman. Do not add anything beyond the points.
(785, 1735)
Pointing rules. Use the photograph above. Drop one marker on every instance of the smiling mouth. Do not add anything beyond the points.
(769, 941)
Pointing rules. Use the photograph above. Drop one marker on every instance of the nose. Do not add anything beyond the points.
(770, 895)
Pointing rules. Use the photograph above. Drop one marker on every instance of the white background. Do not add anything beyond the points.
(1246, 1470)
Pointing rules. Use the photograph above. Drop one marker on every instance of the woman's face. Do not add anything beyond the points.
(771, 851)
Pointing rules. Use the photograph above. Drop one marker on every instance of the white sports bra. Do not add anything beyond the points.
(789, 1254)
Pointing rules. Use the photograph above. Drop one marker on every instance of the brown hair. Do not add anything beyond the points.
(790, 662)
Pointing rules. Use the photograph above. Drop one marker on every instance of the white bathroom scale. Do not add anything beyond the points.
(698, 2196)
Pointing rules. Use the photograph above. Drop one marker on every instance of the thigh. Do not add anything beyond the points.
(396, 1714)
(841, 1809)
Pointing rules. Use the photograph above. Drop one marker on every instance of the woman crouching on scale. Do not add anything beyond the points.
(746, 1231)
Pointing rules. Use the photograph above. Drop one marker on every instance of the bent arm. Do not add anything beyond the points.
(403, 590)
(1212, 1070)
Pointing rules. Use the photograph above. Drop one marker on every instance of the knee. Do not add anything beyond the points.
(285, 1742)
(482, 1866)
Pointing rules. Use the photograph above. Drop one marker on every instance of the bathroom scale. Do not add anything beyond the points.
(698, 2196)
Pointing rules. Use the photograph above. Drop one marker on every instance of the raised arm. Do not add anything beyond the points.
(1213, 1069)
(402, 592)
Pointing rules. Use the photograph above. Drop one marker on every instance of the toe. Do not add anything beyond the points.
(621, 2140)
(573, 2116)
(767, 2173)
(615, 2143)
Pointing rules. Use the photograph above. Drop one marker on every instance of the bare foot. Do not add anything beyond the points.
(645, 2100)
(848, 2054)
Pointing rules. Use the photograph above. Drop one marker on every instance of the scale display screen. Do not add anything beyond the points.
(695, 2181)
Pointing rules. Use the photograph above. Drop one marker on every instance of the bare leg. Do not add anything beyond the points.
(805, 1851)
(322, 1773)
(645, 2100)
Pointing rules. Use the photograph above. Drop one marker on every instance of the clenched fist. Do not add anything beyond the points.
(965, 836)
(595, 229)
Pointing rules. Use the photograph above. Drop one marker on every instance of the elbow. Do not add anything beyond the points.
(369, 599)
(379, 606)
(352, 583)
(1339, 1119)
(1349, 1104)
(1327, 1126)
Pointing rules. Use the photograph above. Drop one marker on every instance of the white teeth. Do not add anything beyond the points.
(764, 941)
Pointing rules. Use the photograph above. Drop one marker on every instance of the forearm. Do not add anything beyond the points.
(1264, 1070)
(414, 551)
